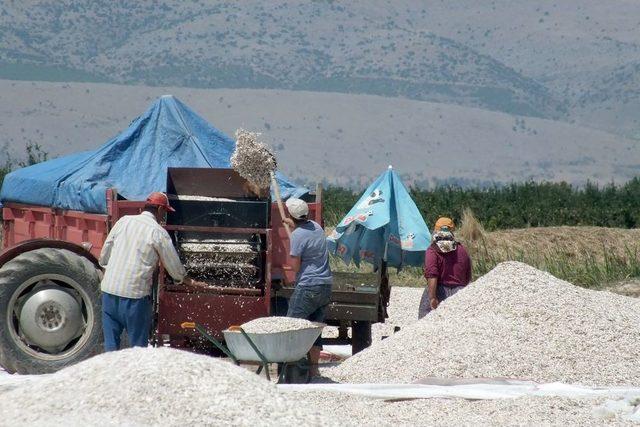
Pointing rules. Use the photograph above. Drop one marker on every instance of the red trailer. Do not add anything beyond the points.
(226, 236)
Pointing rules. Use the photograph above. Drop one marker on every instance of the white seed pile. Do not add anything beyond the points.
(252, 159)
(516, 322)
(10, 381)
(402, 310)
(199, 198)
(275, 324)
(524, 411)
(158, 386)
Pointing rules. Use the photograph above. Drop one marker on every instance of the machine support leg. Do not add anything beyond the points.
(360, 336)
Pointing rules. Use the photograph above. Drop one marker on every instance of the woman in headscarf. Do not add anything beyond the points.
(447, 267)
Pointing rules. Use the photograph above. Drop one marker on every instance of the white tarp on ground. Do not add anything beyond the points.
(624, 401)
(628, 408)
(342, 351)
(465, 389)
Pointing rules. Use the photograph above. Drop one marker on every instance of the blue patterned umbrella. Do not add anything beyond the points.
(384, 225)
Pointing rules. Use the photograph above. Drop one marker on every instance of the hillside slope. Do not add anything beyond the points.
(548, 59)
(582, 51)
(313, 45)
(336, 138)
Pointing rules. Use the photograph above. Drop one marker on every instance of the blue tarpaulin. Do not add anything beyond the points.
(384, 225)
(135, 162)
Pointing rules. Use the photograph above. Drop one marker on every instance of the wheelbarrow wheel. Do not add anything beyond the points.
(295, 373)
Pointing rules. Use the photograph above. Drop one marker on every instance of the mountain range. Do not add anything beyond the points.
(559, 73)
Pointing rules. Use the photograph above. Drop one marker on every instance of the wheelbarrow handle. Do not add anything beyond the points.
(265, 362)
(254, 347)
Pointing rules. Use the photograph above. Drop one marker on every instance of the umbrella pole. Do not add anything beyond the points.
(384, 290)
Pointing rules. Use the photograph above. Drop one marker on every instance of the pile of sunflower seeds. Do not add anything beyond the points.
(523, 411)
(514, 322)
(403, 311)
(252, 159)
(161, 386)
(275, 324)
(187, 197)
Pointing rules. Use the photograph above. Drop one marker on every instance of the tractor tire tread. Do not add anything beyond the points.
(14, 272)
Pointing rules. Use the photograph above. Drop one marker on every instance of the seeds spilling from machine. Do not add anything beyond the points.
(238, 200)
(221, 229)
(217, 236)
(221, 261)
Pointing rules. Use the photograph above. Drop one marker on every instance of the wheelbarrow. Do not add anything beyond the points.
(288, 349)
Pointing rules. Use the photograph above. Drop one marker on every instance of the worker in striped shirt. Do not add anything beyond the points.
(130, 257)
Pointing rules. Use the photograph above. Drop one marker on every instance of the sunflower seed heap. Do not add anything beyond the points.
(191, 198)
(402, 310)
(524, 411)
(275, 324)
(517, 322)
(252, 159)
(161, 386)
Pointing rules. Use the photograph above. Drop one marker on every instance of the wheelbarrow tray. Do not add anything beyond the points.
(279, 347)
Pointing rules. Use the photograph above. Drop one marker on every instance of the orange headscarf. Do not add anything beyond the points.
(444, 222)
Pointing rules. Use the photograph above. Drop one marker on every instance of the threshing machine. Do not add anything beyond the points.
(226, 236)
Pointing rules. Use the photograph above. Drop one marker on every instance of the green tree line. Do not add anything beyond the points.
(33, 154)
(518, 205)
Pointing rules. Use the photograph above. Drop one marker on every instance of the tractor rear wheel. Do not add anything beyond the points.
(50, 307)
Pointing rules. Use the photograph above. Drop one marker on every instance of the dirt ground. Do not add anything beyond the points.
(630, 288)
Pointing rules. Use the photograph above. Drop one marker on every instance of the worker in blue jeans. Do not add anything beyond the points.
(130, 256)
(309, 258)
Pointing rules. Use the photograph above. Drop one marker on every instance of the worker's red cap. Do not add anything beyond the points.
(160, 199)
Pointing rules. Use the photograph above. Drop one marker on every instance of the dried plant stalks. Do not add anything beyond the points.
(470, 230)
(252, 159)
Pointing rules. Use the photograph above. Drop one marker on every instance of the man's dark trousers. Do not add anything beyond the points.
(130, 314)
